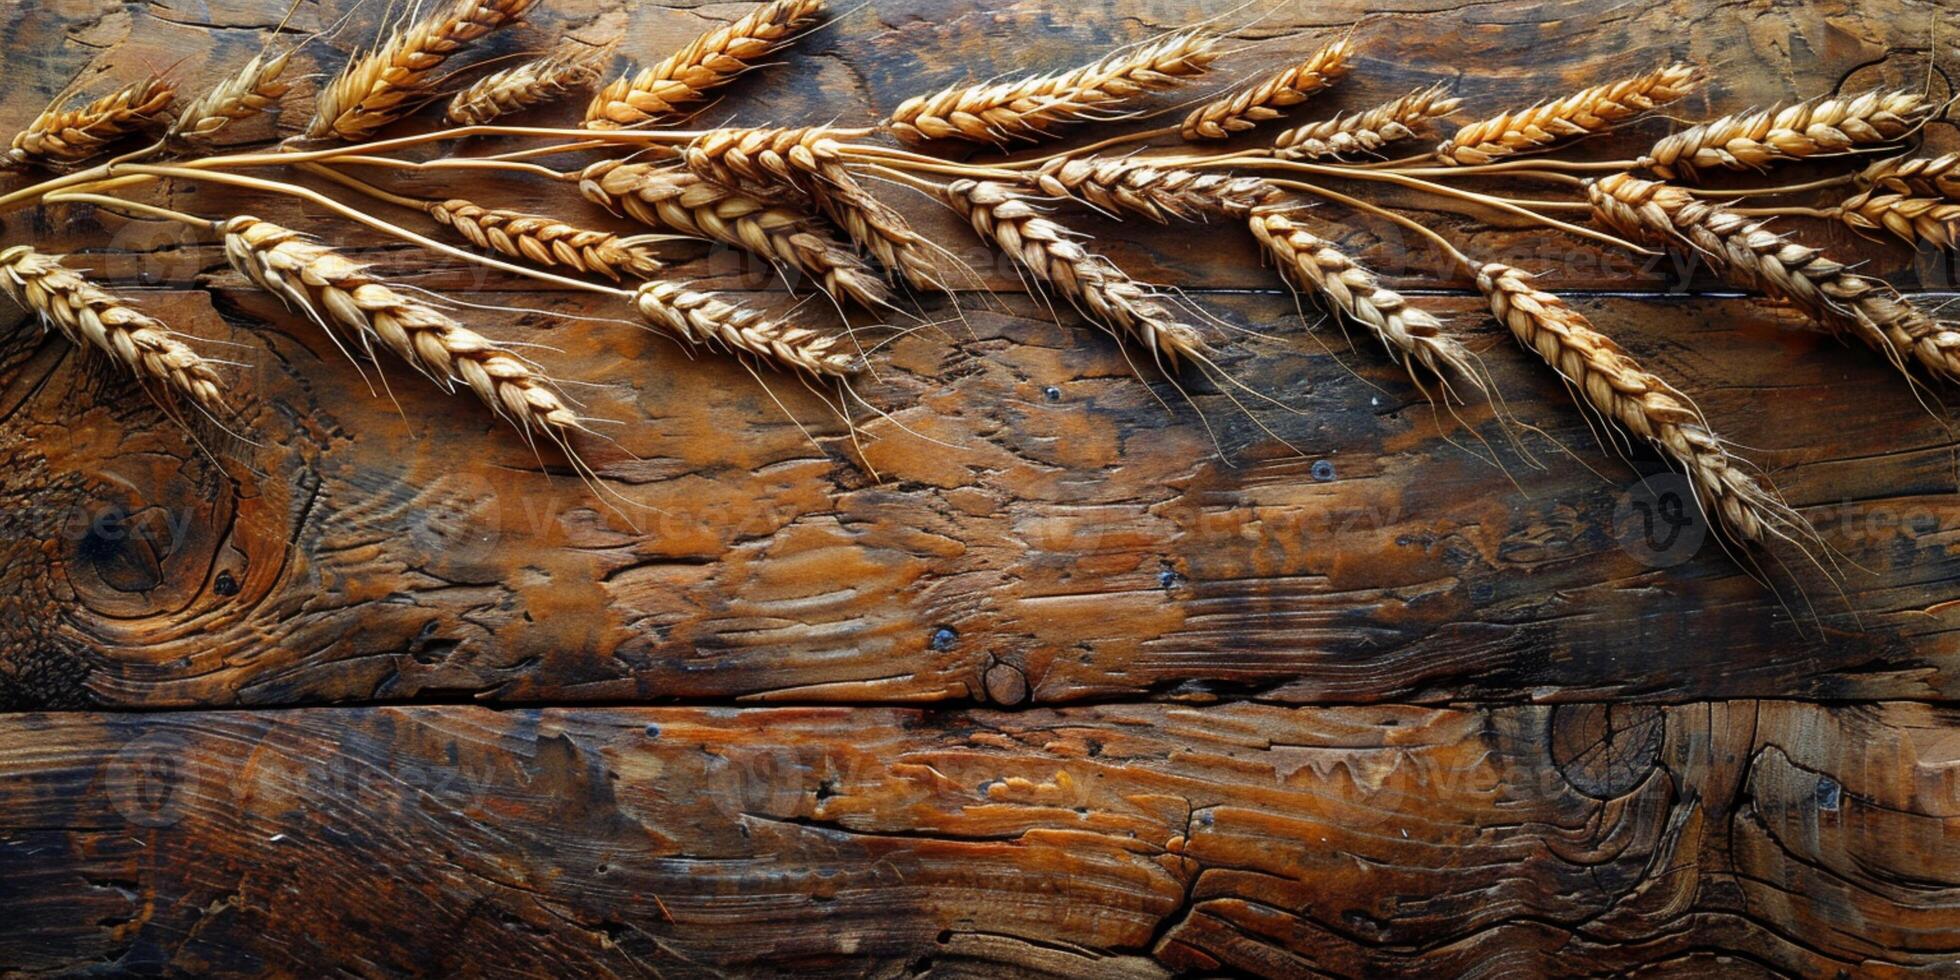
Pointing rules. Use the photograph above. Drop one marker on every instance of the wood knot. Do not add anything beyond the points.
(1605, 750)
(1006, 684)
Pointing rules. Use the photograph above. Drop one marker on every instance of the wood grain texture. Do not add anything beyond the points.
(1122, 840)
(1118, 685)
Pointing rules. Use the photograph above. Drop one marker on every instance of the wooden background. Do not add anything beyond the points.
(377, 690)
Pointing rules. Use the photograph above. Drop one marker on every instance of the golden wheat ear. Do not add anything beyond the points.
(1755, 140)
(1133, 185)
(376, 88)
(60, 137)
(90, 316)
(1055, 256)
(669, 90)
(570, 67)
(547, 241)
(254, 88)
(1745, 252)
(1367, 131)
(685, 202)
(1235, 113)
(705, 320)
(1410, 332)
(333, 290)
(1029, 108)
(1610, 381)
(1583, 113)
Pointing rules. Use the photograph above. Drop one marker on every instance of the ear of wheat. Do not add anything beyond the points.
(250, 90)
(548, 241)
(1366, 132)
(1749, 254)
(1410, 332)
(377, 88)
(1094, 284)
(570, 67)
(1132, 185)
(330, 289)
(1242, 110)
(706, 320)
(1933, 219)
(1918, 176)
(664, 92)
(1026, 109)
(1615, 385)
(90, 316)
(1587, 111)
(806, 165)
(684, 202)
(1754, 140)
(66, 136)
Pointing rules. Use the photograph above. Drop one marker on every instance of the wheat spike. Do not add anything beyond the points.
(548, 241)
(1754, 140)
(90, 316)
(1585, 112)
(252, 89)
(1613, 383)
(1365, 132)
(66, 136)
(1240, 111)
(1410, 332)
(1025, 109)
(706, 320)
(1747, 253)
(682, 201)
(1918, 176)
(1934, 219)
(1095, 285)
(327, 286)
(663, 92)
(1132, 185)
(378, 87)
(806, 165)
(571, 66)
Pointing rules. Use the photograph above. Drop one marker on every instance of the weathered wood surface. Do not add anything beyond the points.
(1382, 796)
(1732, 838)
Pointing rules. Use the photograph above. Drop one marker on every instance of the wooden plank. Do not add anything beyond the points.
(1783, 837)
(1081, 542)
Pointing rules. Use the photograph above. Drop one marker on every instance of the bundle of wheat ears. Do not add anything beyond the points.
(802, 198)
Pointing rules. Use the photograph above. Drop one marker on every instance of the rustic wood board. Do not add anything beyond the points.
(1082, 695)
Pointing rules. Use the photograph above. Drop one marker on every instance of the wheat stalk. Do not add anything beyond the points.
(1749, 254)
(1410, 332)
(378, 87)
(1365, 132)
(1585, 112)
(1024, 109)
(90, 316)
(327, 286)
(806, 165)
(706, 320)
(572, 66)
(684, 202)
(548, 241)
(65, 136)
(661, 93)
(1240, 111)
(1614, 384)
(1133, 185)
(1754, 140)
(1094, 284)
